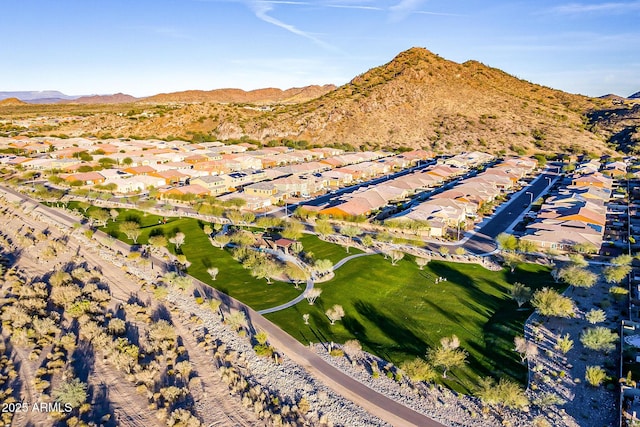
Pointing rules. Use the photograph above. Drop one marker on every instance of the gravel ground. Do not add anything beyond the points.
(564, 375)
(287, 378)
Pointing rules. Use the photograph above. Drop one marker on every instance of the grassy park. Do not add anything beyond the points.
(398, 312)
(326, 250)
(232, 278)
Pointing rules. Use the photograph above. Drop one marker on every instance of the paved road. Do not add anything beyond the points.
(376, 403)
(483, 240)
(333, 197)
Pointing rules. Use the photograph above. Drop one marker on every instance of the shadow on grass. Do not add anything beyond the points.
(407, 340)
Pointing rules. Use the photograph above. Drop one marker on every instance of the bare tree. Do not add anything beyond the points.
(335, 313)
(350, 231)
(305, 317)
(114, 214)
(526, 349)
(131, 229)
(353, 350)
(312, 295)
(220, 240)
(422, 262)
(178, 239)
(395, 256)
(213, 272)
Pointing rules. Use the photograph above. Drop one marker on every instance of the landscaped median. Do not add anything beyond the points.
(399, 312)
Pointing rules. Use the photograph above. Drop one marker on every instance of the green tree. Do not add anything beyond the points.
(296, 274)
(234, 216)
(158, 241)
(221, 240)
(84, 206)
(323, 227)
(527, 246)
(623, 259)
(595, 375)
(506, 242)
(599, 338)
(595, 315)
(323, 266)
(72, 392)
(548, 302)
(447, 355)
(131, 229)
(616, 273)
(292, 230)
(578, 260)
(419, 370)
(618, 292)
(351, 232)
(577, 276)
(511, 260)
(265, 268)
(100, 216)
(505, 393)
(520, 293)
(585, 248)
(564, 343)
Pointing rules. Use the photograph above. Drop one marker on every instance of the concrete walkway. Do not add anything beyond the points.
(310, 285)
(290, 303)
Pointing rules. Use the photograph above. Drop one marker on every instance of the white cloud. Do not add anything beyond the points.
(403, 8)
(607, 7)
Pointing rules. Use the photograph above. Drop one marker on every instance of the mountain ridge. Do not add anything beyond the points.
(416, 100)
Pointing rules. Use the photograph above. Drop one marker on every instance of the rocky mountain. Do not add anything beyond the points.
(418, 99)
(11, 101)
(239, 96)
(635, 95)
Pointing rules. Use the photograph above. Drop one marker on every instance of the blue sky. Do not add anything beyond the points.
(144, 47)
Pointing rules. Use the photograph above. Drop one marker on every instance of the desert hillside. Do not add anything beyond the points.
(416, 100)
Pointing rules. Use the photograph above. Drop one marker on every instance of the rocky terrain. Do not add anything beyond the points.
(418, 99)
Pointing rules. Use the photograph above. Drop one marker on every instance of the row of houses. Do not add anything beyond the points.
(461, 203)
(262, 176)
(575, 215)
(447, 208)
(315, 183)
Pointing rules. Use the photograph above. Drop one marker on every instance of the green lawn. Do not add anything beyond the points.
(232, 278)
(398, 312)
(325, 250)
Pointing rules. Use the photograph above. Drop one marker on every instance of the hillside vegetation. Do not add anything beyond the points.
(416, 100)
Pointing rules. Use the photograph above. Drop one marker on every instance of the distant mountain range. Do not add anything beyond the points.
(31, 96)
(238, 96)
(257, 96)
